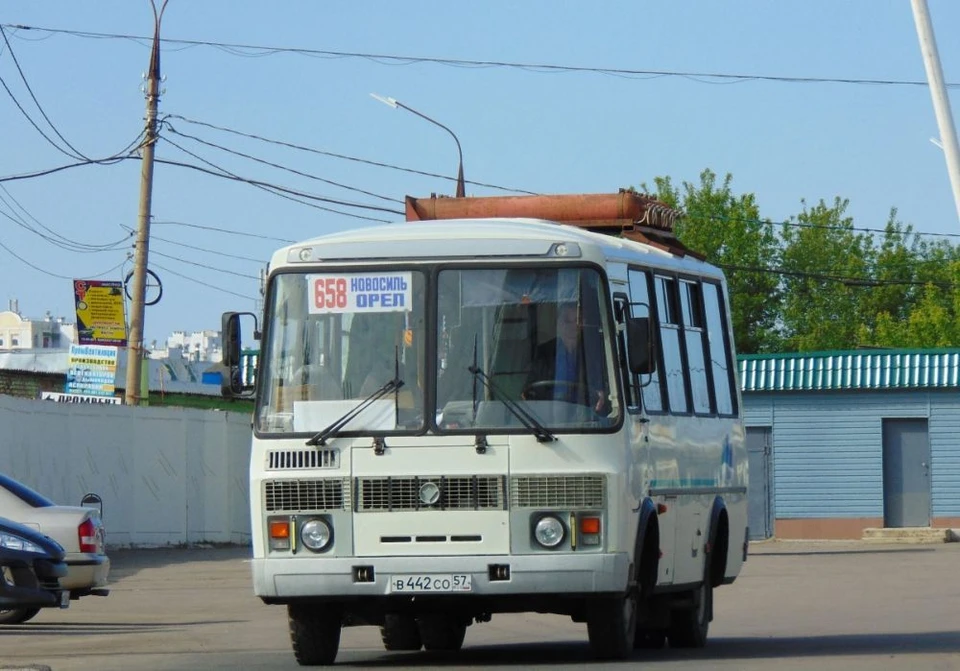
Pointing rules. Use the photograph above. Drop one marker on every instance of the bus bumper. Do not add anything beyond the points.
(298, 577)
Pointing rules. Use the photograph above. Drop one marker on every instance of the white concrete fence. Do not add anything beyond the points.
(167, 476)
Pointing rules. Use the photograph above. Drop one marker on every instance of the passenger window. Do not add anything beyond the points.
(670, 345)
(723, 380)
(694, 340)
(650, 385)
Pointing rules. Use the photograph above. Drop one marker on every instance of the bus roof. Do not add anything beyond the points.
(479, 238)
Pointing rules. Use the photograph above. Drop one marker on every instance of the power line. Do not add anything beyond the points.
(345, 157)
(264, 50)
(76, 152)
(848, 280)
(217, 252)
(207, 266)
(126, 154)
(33, 123)
(283, 192)
(54, 237)
(52, 274)
(223, 230)
(206, 285)
(280, 167)
(826, 227)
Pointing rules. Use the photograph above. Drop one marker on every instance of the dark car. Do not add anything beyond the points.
(31, 566)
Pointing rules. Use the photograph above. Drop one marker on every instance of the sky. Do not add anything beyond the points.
(588, 129)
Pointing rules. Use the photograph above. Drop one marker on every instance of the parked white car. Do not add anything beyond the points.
(79, 529)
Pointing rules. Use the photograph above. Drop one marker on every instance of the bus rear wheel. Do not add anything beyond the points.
(314, 633)
(612, 626)
(689, 625)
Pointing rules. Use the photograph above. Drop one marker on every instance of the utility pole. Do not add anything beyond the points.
(941, 103)
(141, 251)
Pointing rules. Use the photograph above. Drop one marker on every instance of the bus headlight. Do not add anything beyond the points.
(549, 531)
(316, 535)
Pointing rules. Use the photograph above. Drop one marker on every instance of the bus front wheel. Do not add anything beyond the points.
(441, 632)
(400, 632)
(612, 626)
(314, 633)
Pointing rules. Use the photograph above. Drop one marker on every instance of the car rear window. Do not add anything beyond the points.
(24, 493)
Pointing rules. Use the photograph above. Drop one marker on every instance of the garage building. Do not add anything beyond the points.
(840, 442)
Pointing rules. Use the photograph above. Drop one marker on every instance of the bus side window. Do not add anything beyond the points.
(668, 313)
(720, 358)
(695, 340)
(650, 385)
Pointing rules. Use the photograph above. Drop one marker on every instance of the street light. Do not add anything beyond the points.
(392, 102)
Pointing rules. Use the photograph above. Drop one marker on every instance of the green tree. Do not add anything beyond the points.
(887, 297)
(825, 262)
(728, 230)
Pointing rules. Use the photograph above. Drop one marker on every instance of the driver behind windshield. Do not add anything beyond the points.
(561, 369)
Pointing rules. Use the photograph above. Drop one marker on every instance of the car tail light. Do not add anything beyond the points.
(89, 539)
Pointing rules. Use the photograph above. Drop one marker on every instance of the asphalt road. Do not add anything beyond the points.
(795, 606)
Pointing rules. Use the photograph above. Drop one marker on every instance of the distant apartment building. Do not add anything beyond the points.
(198, 346)
(23, 333)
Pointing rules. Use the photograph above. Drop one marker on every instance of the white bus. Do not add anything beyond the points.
(423, 457)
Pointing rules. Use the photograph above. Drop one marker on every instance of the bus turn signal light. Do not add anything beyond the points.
(589, 525)
(279, 533)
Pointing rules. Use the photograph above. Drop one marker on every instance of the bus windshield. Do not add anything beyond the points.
(500, 338)
(541, 337)
(331, 340)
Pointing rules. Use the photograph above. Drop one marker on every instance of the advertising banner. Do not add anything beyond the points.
(101, 319)
(91, 370)
(78, 398)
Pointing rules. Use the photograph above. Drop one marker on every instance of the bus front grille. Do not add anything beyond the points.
(307, 495)
(406, 493)
(569, 492)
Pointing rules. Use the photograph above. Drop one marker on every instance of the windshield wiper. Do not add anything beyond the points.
(526, 418)
(332, 430)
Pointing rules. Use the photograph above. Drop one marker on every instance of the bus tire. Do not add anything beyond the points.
(17, 615)
(400, 632)
(441, 632)
(612, 626)
(314, 633)
(650, 639)
(689, 625)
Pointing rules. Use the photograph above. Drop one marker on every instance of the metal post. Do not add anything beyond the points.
(141, 251)
(938, 90)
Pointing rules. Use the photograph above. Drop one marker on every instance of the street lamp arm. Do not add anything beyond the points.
(436, 123)
(393, 102)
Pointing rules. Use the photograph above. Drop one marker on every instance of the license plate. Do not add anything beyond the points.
(430, 583)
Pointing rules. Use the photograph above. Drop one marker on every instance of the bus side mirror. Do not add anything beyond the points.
(231, 382)
(642, 346)
(230, 323)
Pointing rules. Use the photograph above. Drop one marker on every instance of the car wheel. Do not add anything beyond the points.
(17, 615)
